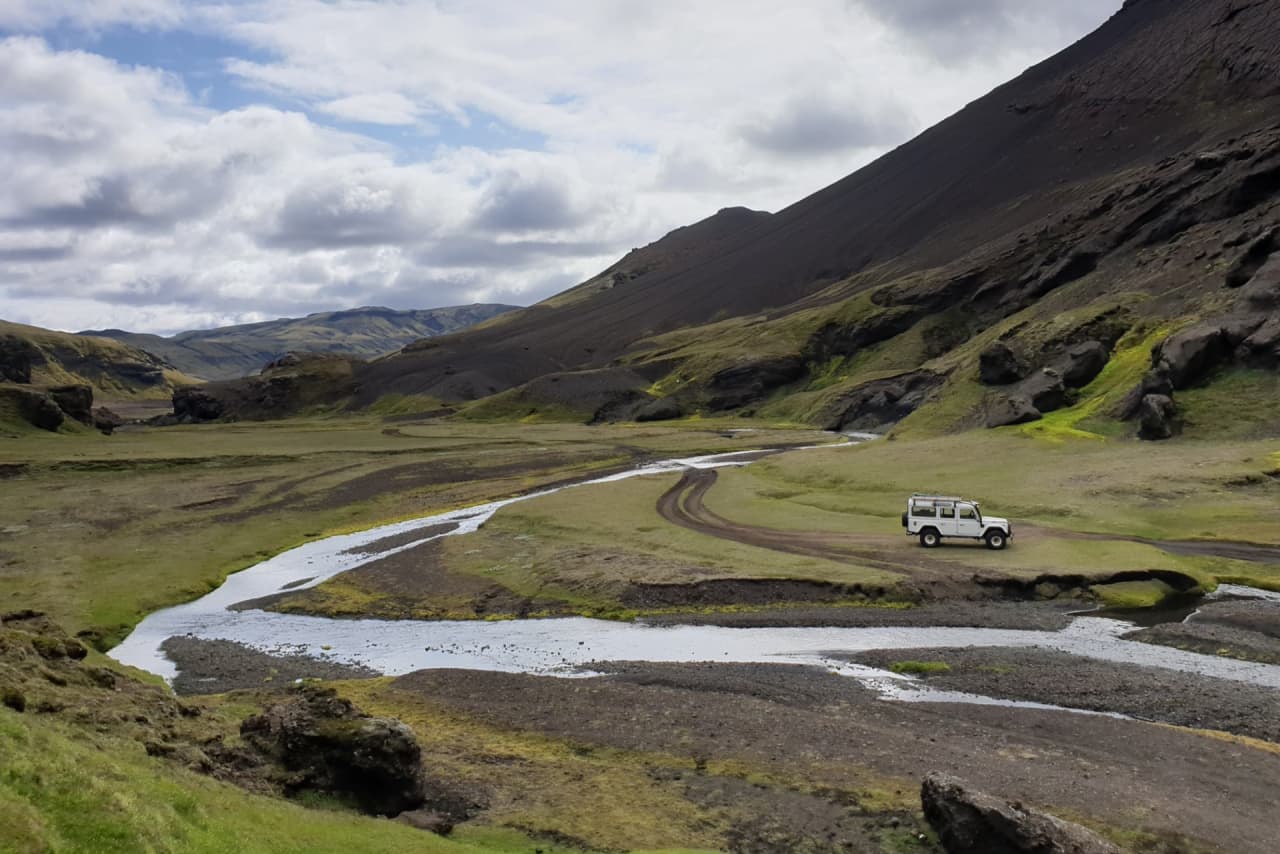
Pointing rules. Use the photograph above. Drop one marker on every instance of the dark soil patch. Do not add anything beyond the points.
(805, 721)
(1060, 679)
(218, 666)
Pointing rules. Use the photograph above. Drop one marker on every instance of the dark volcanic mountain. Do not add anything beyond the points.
(1069, 222)
(237, 351)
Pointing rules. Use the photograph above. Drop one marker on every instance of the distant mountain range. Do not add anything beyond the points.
(238, 351)
(1098, 239)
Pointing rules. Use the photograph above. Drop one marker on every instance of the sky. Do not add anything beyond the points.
(183, 164)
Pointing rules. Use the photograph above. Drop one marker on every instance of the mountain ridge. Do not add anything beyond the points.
(368, 331)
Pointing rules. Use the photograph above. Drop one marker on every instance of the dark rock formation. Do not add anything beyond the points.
(880, 404)
(1080, 364)
(35, 407)
(1189, 355)
(106, 420)
(196, 404)
(1012, 410)
(16, 356)
(999, 365)
(326, 744)
(1045, 390)
(74, 400)
(1158, 417)
(734, 387)
(666, 409)
(1253, 258)
(969, 822)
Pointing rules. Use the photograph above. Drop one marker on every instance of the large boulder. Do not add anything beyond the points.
(1012, 410)
(196, 404)
(1045, 390)
(999, 365)
(1081, 363)
(1158, 417)
(16, 356)
(1189, 355)
(106, 420)
(969, 822)
(326, 744)
(75, 400)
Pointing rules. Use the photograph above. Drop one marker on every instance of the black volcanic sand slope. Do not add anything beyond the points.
(1118, 190)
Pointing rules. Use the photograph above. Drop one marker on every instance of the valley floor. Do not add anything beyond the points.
(742, 757)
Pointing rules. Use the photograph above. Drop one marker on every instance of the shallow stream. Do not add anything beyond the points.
(568, 647)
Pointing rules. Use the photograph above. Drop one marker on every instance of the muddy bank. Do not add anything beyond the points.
(1248, 630)
(1148, 693)
(217, 666)
(1033, 616)
(804, 721)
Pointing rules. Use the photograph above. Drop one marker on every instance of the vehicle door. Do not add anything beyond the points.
(968, 522)
(947, 519)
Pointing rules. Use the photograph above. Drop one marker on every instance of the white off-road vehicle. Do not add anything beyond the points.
(932, 517)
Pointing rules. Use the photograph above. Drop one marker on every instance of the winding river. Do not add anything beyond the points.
(568, 647)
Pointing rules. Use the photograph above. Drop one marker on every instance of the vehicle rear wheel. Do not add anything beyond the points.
(996, 540)
(930, 538)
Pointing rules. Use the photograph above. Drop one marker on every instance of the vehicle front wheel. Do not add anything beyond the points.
(996, 540)
(930, 539)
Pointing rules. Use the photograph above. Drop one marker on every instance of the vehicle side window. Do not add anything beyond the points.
(923, 510)
(947, 512)
(967, 513)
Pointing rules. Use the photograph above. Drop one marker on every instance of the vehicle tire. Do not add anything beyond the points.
(996, 540)
(930, 539)
(904, 520)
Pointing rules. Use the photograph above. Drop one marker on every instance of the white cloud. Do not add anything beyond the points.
(523, 147)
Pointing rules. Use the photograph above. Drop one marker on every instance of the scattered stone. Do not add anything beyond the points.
(969, 822)
(875, 406)
(999, 365)
(1158, 417)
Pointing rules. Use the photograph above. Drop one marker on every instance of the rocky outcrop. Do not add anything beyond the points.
(74, 400)
(16, 356)
(999, 365)
(194, 404)
(969, 822)
(326, 744)
(33, 406)
(877, 405)
(735, 387)
(1157, 417)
